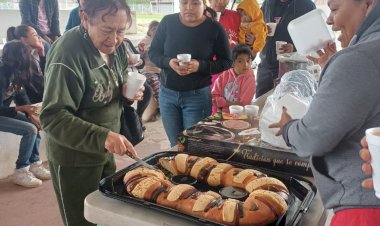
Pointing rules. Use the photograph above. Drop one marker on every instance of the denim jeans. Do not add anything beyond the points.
(30, 141)
(181, 110)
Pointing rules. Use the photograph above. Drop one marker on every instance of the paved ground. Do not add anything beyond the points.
(37, 206)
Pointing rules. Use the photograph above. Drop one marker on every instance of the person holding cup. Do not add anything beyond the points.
(185, 96)
(277, 15)
(86, 70)
(331, 130)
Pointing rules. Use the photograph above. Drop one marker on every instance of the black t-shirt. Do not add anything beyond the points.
(202, 42)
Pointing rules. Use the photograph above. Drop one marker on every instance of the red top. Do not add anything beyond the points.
(230, 20)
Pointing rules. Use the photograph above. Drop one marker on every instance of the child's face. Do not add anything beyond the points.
(242, 64)
(152, 31)
(245, 18)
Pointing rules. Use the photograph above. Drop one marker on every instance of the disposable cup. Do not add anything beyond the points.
(135, 81)
(278, 46)
(218, 14)
(183, 58)
(272, 27)
(236, 109)
(373, 140)
(251, 110)
(4, 40)
(135, 58)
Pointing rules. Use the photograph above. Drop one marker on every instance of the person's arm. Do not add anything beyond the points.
(54, 29)
(337, 108)
(156, 50)
(259, 29)
(26, 15)
(217, 92)
(70, 21)
(223, 55)
(247, 90)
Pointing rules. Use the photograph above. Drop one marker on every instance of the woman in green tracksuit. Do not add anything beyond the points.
(82, 105)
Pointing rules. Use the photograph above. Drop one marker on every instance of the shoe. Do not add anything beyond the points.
(39, 171)
(25, 178)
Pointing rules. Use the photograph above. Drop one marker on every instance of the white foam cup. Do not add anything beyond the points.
(272, 27)
(251, 110)
(236, 109)
(184, 58)
(135, 81)
(278, 46)
(373, 140)
(218, 14)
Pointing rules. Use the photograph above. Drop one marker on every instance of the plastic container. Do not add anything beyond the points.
(310, 32)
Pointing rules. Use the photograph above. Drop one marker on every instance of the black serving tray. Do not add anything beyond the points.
(301, 191)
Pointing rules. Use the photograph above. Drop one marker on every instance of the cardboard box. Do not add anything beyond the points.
(236, 138)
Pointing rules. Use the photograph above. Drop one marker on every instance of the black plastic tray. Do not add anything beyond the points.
(301, 191)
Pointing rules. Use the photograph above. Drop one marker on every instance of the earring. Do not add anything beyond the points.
(85, 35)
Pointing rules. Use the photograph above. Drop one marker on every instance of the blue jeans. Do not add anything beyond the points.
(181, 110)
(30, 141)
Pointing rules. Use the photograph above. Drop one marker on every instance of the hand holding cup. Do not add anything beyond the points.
(134, 86)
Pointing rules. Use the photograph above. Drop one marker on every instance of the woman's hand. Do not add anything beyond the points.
(286, 48)
(186, 69)
(141, 47)
(35, 119)
(118, 144)
(249, 38)
(40, 48)
(285, 118)
(324, 55)
(366, 167)
(29, 109)
(139, 94)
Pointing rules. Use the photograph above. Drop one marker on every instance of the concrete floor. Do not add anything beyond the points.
(38, 207)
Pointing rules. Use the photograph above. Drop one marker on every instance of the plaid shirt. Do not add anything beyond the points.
(29, 15)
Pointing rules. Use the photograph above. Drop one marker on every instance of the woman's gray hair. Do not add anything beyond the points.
(93, 7)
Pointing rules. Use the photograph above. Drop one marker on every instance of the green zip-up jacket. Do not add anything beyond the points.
(81, 101)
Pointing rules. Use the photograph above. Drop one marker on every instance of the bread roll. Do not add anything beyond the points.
(263, 206)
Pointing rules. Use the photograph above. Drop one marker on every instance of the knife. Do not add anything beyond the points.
(141, 162)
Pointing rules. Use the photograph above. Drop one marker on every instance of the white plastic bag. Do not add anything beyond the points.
(295, 92)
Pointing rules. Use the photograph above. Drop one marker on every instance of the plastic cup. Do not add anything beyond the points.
(4, 41)
(135, 58)
(135, 81)
(218, 14)
(373, 140)
(272, 27)
(251, 110)
(278, 46)
(236, 109)
(184, 58)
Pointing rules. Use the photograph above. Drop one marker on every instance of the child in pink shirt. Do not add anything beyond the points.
(235, 86)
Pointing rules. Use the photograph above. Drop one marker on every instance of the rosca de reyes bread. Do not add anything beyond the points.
(263, 206)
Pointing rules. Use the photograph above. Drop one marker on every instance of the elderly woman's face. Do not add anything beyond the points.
(219, 5)
(346, 17)
(191, 10)
(106, 32)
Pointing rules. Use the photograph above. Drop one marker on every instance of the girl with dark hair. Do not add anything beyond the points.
(82, 105)
(235, 86)
(29, 36)
(23, 119)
